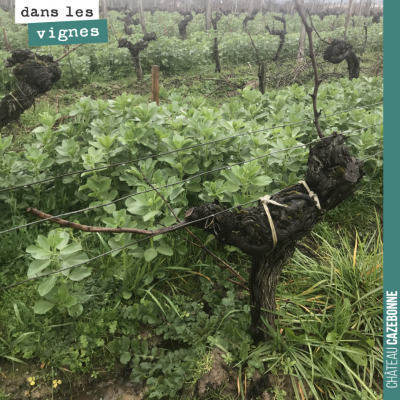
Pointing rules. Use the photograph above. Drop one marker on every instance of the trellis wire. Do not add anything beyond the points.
(280, 60)
(183, 149)
(161, 187)
(138, 241)
(128, 245)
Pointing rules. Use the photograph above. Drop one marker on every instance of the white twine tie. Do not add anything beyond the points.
(265, 201)
(312, 194)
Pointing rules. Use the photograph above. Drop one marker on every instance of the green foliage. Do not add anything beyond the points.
(166, 375)
(4, 395)
(279, 393)
(79, 317)
(339, 347)
(53, 253)
(108, 62)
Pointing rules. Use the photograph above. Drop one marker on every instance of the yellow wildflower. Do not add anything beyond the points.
(56, 383)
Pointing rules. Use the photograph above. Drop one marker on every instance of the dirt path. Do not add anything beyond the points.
(113, 385)
(121, 389)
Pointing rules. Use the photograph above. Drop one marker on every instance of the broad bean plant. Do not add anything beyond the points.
(254, 151)
(106, 61)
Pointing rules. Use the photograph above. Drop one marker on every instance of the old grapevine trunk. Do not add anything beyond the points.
(278, 32)
(136, 48)
(339, 50)
(333, 174)
(35, 74)
(183, 24)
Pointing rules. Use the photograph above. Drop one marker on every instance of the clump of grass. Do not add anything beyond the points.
(200, 368)
(330, 319)
(4, 395)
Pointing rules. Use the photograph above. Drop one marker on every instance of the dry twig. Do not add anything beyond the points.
(230, 269)
(64, 55)
(317, 81)
(166, 31)
(312, 26)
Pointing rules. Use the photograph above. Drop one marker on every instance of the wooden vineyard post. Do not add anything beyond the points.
(216, 56)
(8, 47)
(141, 16)
(367, 8)
(250, 8)
(302, 41)
(155, 84)
(261, 77)
(348, 16)
(105, 8)
(208, 15)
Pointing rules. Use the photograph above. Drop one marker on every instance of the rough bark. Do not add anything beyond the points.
(216, 56)
(215, 20)
(35, 75)
(376, 18)
(135, 49)
(339, 50)
(128, 21)
(278, 32)
(333, 174)
(249, 18)
(261, 77)
(366, 38)
(183, 24)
